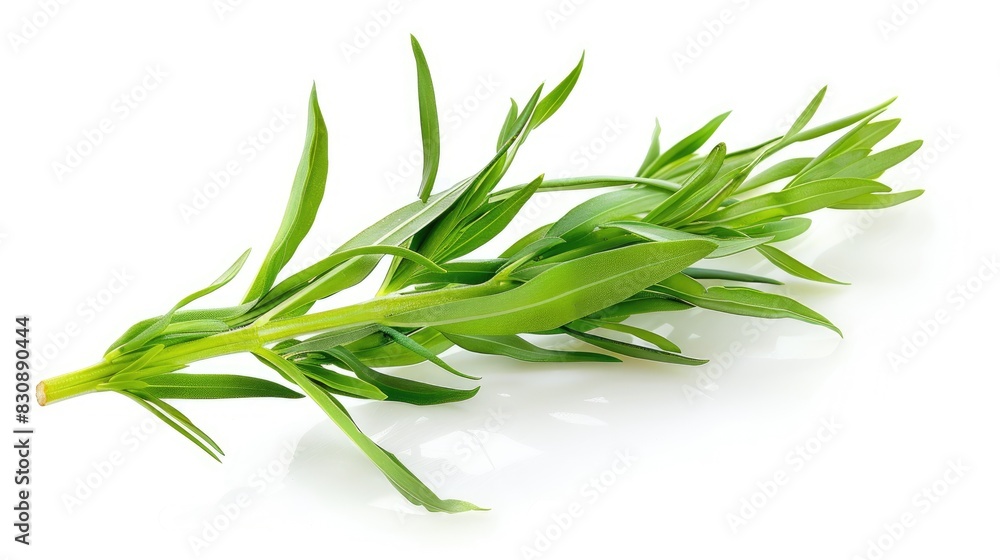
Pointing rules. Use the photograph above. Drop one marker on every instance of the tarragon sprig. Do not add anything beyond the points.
(635, 248)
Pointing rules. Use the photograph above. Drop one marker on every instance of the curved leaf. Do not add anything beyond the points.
(429, 131)
(409, 485)
(562, 293)
(513, 346)
(401, 389)
(555, 98)
(791, 265)
(802, 199)
(653, 232)
(214, 386)
(741, 301)
(303, 202)
(157, 326)
(634, 350)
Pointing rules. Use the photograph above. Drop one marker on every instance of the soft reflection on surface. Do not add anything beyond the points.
(535, 430)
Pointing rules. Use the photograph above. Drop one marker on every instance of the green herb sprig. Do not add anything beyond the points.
(635, 248)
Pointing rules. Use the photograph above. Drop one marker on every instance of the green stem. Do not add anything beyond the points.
(245, 339)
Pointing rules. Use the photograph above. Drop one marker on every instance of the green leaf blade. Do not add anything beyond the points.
(303, 202)
(214, 386)
(429, 129)
(562, 293)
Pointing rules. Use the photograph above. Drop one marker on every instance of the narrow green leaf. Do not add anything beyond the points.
(401, 389)
(182, 427)
(712, 274)
(555, 98)
(324, 342)
(196, 326)
(633, 350)
(386, 352)
(741, 301)
(654, 149)
(315, 282)
(182, 419)
(400, 477)
(418, 349)
(156, 327)
(871, 134)
(137, 365)
(462, 272)
(642, 334)
(429, 130)
(220, 314)
(303, 202)
(685, 147)
(562, 293)
(528, 239)
(807, 114)
(652, 232)
(490, 224)
(696, 189)
(607, 207)
(508, 124)
(214, 386)
(470, 195)
(590, 182)
(777, 172)
(802, 199)
(843, 144)
(645, 302)
(341, 384)
(780, 230)
(874, 165)
(877, 201)
(842, 123)
(829, 168)
(513, 346)
(791, 265)
(533, 250)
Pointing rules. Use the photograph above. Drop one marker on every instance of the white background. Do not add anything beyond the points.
(700, 447)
